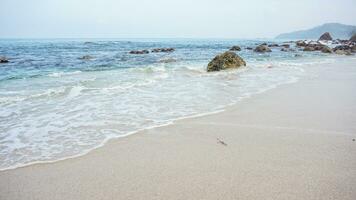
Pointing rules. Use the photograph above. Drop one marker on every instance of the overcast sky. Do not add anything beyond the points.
(167, 18)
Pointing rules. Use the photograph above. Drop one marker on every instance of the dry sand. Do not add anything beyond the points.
(292, 142)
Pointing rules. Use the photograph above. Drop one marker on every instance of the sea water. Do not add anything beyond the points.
(54, 105)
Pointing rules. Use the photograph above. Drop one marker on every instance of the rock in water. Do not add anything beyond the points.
(287, 50)
(353, 49)
(326, 36)
(86, 57)
(353, 38)
(224, 61)
(285, 46)
(326, 49)
(343, 52)
(273, 45)
(262, 49)
(342, 47)
(235, 48)
(3, 59)
(139, 52)
(162, 50)
(309, 49)
(167, 60)
(301, 43)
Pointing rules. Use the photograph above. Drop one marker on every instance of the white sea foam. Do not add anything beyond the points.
(60, 74)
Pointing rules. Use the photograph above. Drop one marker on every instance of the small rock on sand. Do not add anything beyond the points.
(221, 142)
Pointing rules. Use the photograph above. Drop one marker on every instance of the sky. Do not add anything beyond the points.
(167, 18)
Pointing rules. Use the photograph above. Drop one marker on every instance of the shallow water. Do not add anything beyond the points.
(54, 105)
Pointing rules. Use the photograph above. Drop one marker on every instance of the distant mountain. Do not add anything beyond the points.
(337, 31)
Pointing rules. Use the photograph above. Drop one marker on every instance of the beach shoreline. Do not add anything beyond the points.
(295, 134)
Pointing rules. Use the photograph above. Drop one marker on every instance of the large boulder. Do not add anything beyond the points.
(224, 61)
(235, 48)
(326, 36)
(3, 59)
(353, 38)
(262, 49)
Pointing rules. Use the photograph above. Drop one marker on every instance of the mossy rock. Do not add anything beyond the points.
(235, 48)
(262, 49)
(227, 60)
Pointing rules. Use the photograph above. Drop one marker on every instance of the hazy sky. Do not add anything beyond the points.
(168, 18)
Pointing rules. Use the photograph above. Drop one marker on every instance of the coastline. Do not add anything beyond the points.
(270, 132)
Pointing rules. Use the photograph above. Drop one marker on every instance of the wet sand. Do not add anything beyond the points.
(292, 142)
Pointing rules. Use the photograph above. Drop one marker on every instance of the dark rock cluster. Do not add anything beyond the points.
(139, 52)
(344, 47)
(157, 50)
(162, 50)
(230, 59)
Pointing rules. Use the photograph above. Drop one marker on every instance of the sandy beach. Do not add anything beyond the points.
(291, 142)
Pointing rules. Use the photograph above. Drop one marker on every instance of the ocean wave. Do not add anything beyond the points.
(68, 91)
(150, 69)
(19, 77)
(61, 74)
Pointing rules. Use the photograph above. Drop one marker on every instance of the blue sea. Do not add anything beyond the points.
(54, 105)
